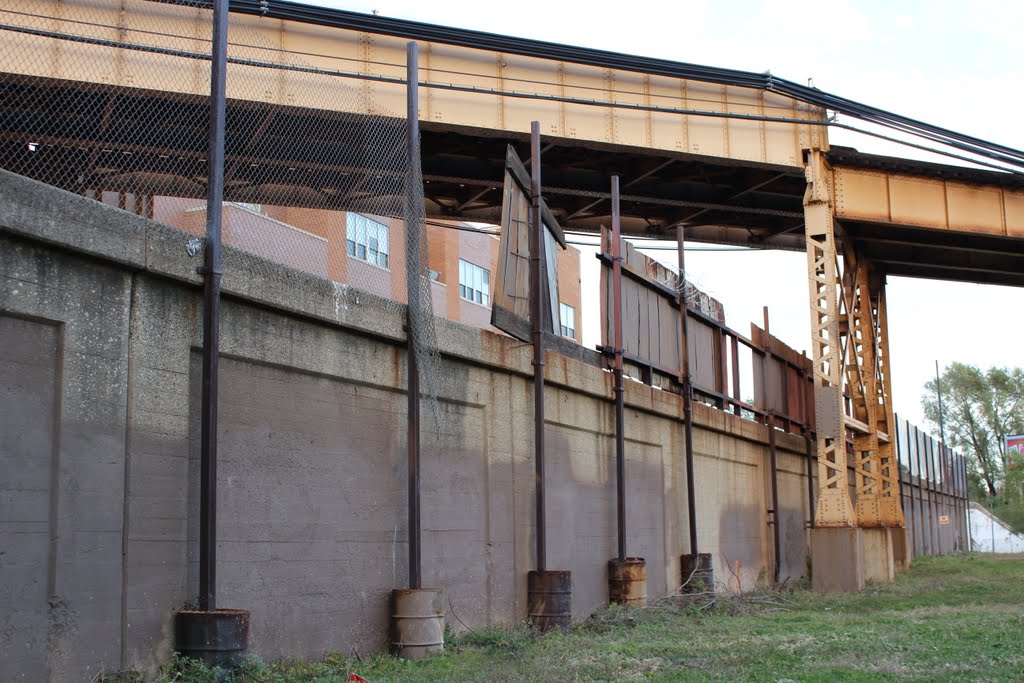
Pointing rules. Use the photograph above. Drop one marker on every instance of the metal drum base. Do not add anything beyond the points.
(627, 581)
(697, 574)
(417, 622)
(549, 599)
(219, 638)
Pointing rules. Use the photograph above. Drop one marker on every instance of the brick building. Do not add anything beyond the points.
(366, 252)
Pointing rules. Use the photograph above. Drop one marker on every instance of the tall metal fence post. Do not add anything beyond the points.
(691, 496)
(536, 313)
(697, 573)
(809, 445)
(413, 383)
(627, 576)
(620, 408)
(769, 421)
(548, 591)
(218, 637)
(211, 271)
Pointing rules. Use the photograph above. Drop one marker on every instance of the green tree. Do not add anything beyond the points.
(979, 410)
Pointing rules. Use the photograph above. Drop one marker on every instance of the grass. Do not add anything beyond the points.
(958, 618)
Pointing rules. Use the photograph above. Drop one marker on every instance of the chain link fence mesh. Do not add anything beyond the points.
(109, 99)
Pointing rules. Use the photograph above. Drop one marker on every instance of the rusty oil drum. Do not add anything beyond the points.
(218, 638)
(549, 599)
(697, 573)
(417, 622)
(627, 581)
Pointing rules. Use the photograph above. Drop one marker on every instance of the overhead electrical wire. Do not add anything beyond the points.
(356, 21)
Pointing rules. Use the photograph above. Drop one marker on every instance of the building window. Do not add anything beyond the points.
(474, 283)
(567, 318)
(367, 240)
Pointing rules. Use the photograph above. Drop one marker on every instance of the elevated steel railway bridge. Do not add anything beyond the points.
(739, 158)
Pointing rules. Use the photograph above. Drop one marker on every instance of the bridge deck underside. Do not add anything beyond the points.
(720, 200)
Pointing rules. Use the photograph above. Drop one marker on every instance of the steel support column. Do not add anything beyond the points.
(834, 506)
(890, 502)
(877, 477)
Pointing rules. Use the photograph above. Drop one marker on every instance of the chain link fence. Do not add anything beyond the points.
(110, 99)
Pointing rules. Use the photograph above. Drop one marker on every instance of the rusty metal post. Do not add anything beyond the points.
(809, 445)
(620, 408)
(687, 393)
(218, 637)
(211, 271)
(735, 351)
(627, 576)
(776, 532)
(548, 591)
(769, 421)
(536, 308)
(899, 466)
(413, 381)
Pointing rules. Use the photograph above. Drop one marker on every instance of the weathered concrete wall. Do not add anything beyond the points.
(100, 324)
(989, 534)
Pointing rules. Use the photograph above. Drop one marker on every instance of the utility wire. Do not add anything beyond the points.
(282, 9)
(1005, 156)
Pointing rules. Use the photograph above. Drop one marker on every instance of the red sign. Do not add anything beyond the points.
(1015, 445)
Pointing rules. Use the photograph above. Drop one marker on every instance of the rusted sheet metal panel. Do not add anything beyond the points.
(510, 296)
(650, 319)
(781, 381)
(705, 355)
(652, 334)
(510, 309)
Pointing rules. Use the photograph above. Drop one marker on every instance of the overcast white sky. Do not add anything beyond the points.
(956, 64)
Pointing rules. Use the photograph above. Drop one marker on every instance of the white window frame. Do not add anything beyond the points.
(567, 313)
(474, 283)
(367, 240)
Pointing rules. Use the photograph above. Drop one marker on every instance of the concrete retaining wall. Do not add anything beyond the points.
(989, 534)
(100, 323)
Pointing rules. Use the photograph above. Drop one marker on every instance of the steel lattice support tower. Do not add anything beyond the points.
(834, 507)
(851, 356)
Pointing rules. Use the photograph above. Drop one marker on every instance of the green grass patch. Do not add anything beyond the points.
(954, 618)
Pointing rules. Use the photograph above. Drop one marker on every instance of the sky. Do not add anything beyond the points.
(955, 64)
